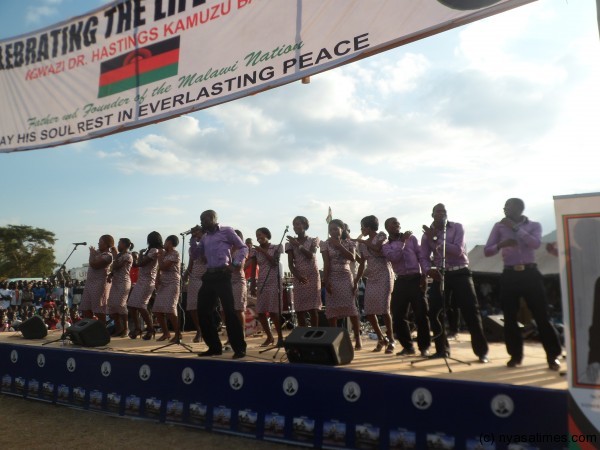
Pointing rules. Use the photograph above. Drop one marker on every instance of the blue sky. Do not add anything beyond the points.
(504, 107)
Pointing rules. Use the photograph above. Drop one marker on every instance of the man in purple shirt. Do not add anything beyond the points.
(458, 282)
(517, 238)
(403, 252)
(215, 246)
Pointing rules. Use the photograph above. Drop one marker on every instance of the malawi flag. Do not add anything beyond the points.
(139, 67)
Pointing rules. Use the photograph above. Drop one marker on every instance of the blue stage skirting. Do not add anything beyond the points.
(310, 405)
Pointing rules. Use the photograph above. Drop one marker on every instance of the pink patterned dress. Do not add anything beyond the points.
(195, 283)
(95, 292)
(121, 284)
(239, 286)
(341, 302)
(167, 293)
(380, 279)
(140, 296)
(267, 298)
(306, 296)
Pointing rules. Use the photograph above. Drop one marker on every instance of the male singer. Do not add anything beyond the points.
(458, 281)
(518, 238)
(216, 247)
(403, 252)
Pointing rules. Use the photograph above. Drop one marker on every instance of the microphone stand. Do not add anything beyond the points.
(442, 312)
(63, 307)
(277, 345)
(179, 305)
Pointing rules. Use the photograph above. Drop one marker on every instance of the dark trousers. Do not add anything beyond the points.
(215, 286)
(407, 292)
(529, 285)
(457, 284)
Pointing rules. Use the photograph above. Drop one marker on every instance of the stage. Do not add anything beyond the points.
(376, 401)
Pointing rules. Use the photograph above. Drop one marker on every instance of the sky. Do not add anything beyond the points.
(505, 107)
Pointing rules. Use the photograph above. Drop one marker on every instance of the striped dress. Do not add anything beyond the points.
(140, 296)
(306, 296)
(121, 284)
(167, 293)
(341, 302)
(95, 292)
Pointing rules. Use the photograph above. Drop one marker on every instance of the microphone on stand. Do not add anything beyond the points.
(79, 243)
(185, 233)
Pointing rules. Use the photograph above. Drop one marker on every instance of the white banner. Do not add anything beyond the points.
(136, 62)
(578, 239)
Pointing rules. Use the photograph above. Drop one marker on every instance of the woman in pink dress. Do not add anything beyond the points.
(265, 289)
(196, 268)
(168, 286)
(302, 261)
(95, 293)
(338, 252)
(378, 291)
(144, 288)
(120, 285)
(239, 286)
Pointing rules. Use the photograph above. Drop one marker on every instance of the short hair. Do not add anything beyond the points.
(303, 220)
(108, 240)
(127, 243)
(342, 225)
(388, 221)
(209, 212)
(371, 222)
(264, 231)
(173, 240)
(518, 203)
(239, 233)
(155, 240)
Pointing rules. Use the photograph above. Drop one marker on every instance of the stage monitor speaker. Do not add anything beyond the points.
(493, 327)
(34, 328)
(319, 345)
(88, 333)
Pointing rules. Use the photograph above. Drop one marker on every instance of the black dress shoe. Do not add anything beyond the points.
(438, 355)
(425, 353)
(483, 359)
(513, 362)
(554, 365)
(211, 353)
(406, 352)
(238, 355)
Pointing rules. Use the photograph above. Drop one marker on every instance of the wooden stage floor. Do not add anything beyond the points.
(533, 372)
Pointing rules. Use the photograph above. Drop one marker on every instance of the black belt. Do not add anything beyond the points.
(217, 269)
(521, 267)
(408, 276)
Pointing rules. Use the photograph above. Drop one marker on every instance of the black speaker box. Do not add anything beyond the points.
(493, 327)
(88, 333)
(34, 328)
(319, 345)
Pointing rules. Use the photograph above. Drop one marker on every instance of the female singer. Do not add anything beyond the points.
(338, 253)
(138, 301)
(120, 280)
(378, 291)
(240, 287)
(302, 261)
(167, 294)
(266, 290)
(196, 268)
(96, 288)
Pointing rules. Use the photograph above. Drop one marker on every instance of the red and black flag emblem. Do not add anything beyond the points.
(141, 66)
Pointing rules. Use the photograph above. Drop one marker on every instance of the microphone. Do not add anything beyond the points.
(79, 243)
(185, 233)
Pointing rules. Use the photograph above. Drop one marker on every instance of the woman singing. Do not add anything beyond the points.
(267, 291)
(96, 289)
(196, 268)
(380, 281)
(140, 296)
(338, 253)
(167, 293)
(302, 261)
(120, 286)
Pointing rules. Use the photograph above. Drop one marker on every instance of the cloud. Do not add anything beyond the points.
(46, 8)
